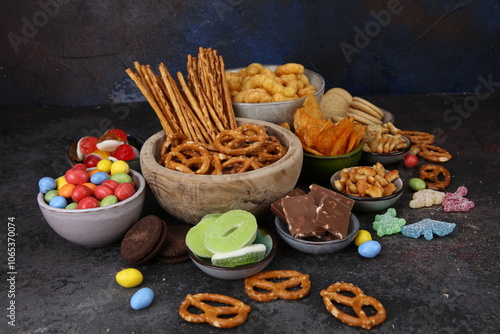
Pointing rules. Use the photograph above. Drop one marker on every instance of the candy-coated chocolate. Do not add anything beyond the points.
(124, 191)
(79, 192)
(129, 278)
(66, 190)
(88, 203)
(104, 165)
(369, 249)
(61, 181)
(142, 299)
(76, 176)
(45, 184)
(109, 200)
(411, 160)
(122, 178)
(417, 184)
(119, 166)
(58, 202)
(92, 160)
(99, 177)
(102, 190)
(50, 195)
(361, 237)
(72, 206)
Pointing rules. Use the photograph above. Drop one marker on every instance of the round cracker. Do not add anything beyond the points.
(369, 104)
(340, 91)
(365, 108)
(334, 105)
(363, 117)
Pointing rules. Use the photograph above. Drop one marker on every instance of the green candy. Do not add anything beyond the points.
(71, 206)
(50, 195)
(196, 235)
(122, 178)
(246, 255)
(388, 223)
(231, 231)
(417, 184)
(109, 200)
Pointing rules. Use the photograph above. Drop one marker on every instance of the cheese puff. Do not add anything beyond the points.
(307, 90)
(289, 68)
(302, 77)
(267, 72)
(235, 83)
(278, 97)
(250, 70)
(256, 95)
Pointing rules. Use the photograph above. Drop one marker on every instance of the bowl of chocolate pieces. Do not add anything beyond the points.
(318, 222)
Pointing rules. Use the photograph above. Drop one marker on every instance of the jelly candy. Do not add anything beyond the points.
(456, 201)
(427, 228)
(388, 223)
(85, 146)
(426, 197)
(124, 152)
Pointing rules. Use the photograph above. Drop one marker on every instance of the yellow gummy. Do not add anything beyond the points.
(129, 278)
(362, 236)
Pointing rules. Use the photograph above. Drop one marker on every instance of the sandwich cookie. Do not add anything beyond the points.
(175, 249)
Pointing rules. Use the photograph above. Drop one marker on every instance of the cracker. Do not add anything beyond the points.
(362, 117)
(369, 104)
(365, 108)
(342, 92)
(334, 105)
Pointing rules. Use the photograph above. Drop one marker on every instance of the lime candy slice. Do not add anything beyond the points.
(196, 234)
(246, 255)
(231, 231)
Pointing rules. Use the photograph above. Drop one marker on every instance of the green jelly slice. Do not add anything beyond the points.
(246, 255)
(231, 231)
(196, 235)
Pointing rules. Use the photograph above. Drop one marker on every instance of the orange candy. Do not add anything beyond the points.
(66, 190)
(91, 186)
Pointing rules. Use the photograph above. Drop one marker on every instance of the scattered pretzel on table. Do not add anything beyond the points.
(213, 314)
(433, 153)
(435, 177)
(418, 137)
(357, 302)
(277, 290)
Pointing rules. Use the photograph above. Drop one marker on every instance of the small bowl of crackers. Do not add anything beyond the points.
(385, 144)
(372, 188)
(271, 93)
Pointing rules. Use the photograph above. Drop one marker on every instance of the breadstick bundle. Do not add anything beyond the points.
(197, 107)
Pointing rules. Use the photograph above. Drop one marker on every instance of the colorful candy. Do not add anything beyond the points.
(129, 278)
(361, 237)
(456, 201)
(417, 184)
(45, 184)
(369, 249)
(142, 299)
(388, 223)
(427, 228)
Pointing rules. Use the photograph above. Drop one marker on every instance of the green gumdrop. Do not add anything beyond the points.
(246, 255)
(231, 231)
(417, 184)
(50, 195)
(196, 235)
(109, 200)
(122, 178)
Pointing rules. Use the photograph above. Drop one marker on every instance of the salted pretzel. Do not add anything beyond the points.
(213, 314)
(418, 137)
(435, 177)
(433, 153)
(332, 293)
(275, 290)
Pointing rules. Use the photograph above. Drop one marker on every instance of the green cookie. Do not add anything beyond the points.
(195, 236)
(231, 231)
(246, 255)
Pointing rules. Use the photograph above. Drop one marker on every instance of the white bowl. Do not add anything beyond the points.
(99, 226)
(368, 204)
(240, 272)
(278, 112)
(370, 158)
(317, 247)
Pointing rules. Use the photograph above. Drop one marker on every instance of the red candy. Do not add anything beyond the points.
(102, 191)
(411, 160)
(124, 152)
(119, 133)
(76, 176)
(88, 203)
(456, 201)
(79, 192)
(124, 191)
(87, 145)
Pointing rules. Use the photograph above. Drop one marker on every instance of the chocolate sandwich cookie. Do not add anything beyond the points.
(144, 240)
(174, 249)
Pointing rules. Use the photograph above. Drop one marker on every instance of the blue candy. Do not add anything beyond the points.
(142, 299)
(58, 202)
(369, 249)
(99, 177)
(427, 228)
(45, 184)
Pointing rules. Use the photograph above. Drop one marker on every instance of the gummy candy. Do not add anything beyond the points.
(427, 228)
(388, 223)
(456, 201)
(426, 197)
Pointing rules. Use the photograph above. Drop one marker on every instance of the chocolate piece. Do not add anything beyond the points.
(300, 213)
(175, 249)
(335, 215)
(277, 206)
(318, 192)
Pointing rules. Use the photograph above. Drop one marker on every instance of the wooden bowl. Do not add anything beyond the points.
(189, 197)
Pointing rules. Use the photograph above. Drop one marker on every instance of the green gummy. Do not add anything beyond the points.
(246, 255)
(388, 223)
(231, 231)
(196, 235)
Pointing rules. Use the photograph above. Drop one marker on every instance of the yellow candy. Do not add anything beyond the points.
(129, 278)
(60, 181)
(362, 236)
(104, 165)
(119, 166)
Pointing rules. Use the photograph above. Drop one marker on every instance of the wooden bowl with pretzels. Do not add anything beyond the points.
(189, 197)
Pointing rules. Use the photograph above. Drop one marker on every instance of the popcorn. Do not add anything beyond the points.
(427, 228)
(426, 197)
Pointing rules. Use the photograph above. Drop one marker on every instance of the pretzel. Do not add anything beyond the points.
(418, 137)
(357, 302)
(433, 153)
(211, 314)
(281, 289)
(234, 142)
(435, 177)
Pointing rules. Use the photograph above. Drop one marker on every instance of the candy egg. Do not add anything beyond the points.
(369, 249)
(142, 299)
(50, 195)
(45, 184)
(58, 202)
(417, 184)
(109, 200)
(99, 177)
(129, 278)
(121, 178)
(119, 166)
(361, 237)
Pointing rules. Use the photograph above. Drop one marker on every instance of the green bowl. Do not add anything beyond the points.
(321, 168)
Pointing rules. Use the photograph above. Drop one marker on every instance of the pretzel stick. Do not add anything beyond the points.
(216, 93)
(226, 94)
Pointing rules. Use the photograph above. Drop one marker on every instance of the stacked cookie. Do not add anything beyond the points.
(337, 103)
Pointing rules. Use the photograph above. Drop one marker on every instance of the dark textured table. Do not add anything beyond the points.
(446, 285)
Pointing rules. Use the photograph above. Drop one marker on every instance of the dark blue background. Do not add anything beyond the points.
(75, 52)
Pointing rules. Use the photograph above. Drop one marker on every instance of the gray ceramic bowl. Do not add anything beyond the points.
(278, 112)
(99, 226)
(317, 247)
(386, 158)
(240, 272)
(368, 204)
